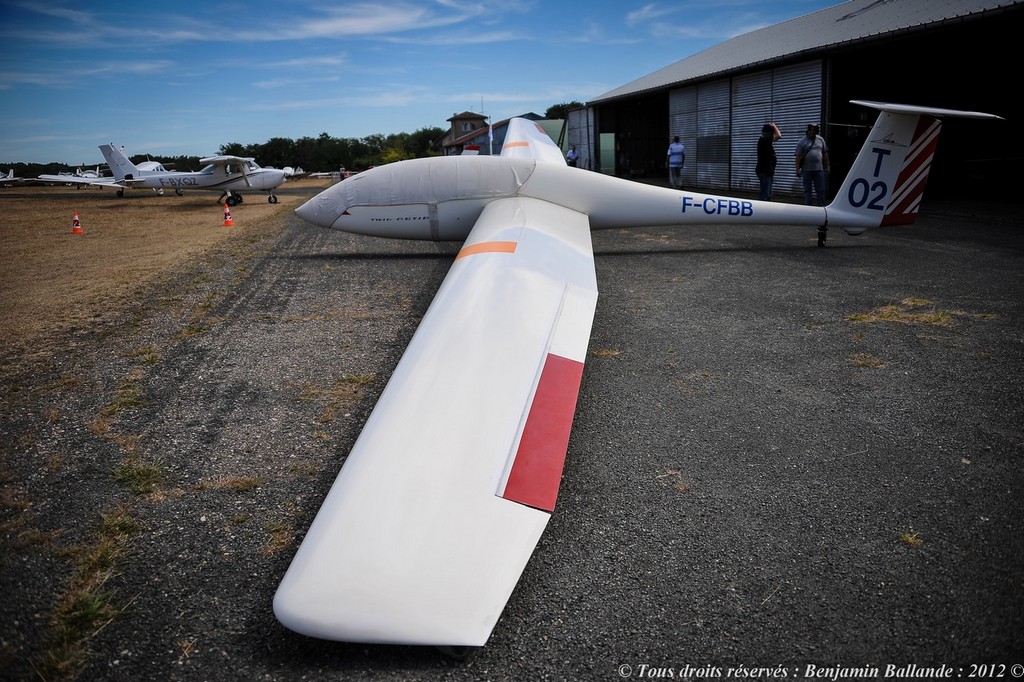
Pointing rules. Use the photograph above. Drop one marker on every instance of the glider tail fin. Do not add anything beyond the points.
(120, 166)
(525, 139)
(888, 177)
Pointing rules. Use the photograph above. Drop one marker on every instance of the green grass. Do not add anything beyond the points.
(88, 605)
(139, 476)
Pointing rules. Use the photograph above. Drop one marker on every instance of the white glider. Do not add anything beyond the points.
(446, 492)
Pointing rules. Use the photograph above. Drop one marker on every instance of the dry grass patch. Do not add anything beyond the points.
(866, 360)
(911, 538)
(237, 483)
(55, 281)
(280, 537)
(908, 311)
(342, 394)
(675, 479)
(695, 381)
(127, 396)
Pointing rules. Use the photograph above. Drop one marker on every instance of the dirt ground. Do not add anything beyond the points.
(54, 280)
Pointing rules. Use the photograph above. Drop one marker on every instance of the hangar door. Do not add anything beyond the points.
(581, 133)
(792, 97)
(719, 122)
(699, 115)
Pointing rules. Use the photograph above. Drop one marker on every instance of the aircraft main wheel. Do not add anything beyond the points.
(822, 236)
(179, 192)
(120, 194)
(272, 199)
(232, 201)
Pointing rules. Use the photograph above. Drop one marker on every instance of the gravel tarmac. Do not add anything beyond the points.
(783, 456)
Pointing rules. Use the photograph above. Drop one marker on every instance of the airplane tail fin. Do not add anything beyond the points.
(888, 177)
(120, 166)
(527, 140)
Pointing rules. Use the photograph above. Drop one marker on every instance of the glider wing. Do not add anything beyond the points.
(445, 494)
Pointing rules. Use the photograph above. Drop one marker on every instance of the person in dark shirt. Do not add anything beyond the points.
(766, 159)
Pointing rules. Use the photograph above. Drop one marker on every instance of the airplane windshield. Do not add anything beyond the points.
(208, 170)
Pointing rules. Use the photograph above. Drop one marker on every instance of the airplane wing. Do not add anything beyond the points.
(245, 164)
(79, 180)
(222, 159)
(445, 494)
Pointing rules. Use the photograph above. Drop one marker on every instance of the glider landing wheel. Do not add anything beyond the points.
(822, 236)
(120, 194)
(459, 653)
(272, 199)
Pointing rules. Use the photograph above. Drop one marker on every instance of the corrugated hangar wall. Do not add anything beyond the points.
(791, 97)
(719, 123)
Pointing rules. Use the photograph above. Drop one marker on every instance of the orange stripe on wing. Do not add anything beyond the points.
(516, 144)
(487, 247)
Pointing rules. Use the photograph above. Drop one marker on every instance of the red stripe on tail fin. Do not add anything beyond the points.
(906, 195)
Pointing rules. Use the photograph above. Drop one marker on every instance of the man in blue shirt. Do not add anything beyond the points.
(573, 157)
(676, 159)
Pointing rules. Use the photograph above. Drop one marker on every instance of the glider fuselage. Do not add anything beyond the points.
(440, 198)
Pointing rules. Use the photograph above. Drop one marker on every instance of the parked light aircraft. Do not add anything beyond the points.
(226, 174)
(90, 173)
(445, 494)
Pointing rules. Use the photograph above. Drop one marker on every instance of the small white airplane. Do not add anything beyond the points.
(91, 173)
(446, 492)
(226, 174)
(9, 179)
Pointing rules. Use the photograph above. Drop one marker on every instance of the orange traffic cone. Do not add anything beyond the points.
(228, 222)
(76, 225)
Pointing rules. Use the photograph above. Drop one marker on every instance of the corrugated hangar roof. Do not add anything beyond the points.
(852, 21)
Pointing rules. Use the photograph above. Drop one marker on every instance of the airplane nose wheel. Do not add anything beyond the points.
(822, 236)
(272, 199)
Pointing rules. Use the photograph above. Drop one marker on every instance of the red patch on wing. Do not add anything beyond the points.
(537, 469)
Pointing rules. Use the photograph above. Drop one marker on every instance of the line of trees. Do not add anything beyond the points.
(326, 153)
(322, 153)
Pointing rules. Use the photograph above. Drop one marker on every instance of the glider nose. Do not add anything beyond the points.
(324, 209)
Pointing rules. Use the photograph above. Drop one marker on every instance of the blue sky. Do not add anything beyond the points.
(186, 77)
